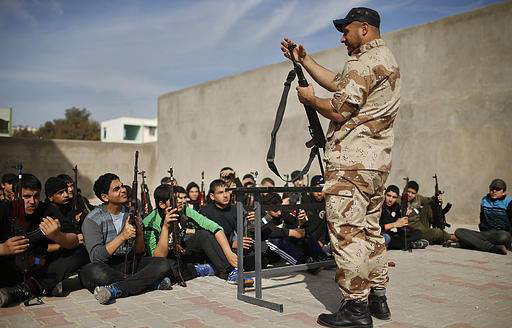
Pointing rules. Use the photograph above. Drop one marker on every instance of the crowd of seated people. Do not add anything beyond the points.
(116, 251)
(407, 222)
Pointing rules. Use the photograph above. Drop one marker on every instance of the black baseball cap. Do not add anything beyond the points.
(498, 184)
(360, 14)
(317, 180)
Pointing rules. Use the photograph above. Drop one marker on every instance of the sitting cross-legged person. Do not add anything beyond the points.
(220, 210)
(495, 222)
(393, 226)
(115, 246)
(284, 235)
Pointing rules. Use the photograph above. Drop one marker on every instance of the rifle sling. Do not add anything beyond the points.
(271, 154)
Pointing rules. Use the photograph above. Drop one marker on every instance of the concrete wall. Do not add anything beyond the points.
(46, 158)
(454, 119)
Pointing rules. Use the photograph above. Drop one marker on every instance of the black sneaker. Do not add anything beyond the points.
(378, 306)
(352, 314)
(10, 296)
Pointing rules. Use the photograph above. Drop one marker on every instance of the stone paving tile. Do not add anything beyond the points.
(435, 287)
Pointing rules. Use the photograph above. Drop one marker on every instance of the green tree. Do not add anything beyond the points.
(76, 124)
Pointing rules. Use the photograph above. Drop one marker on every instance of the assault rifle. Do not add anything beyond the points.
(80, 204)
(144, 196)
(75, 204)
(403, 213)
(317, 141)
(202, 196)
(178, 229)
(134, 211)
(438, 213)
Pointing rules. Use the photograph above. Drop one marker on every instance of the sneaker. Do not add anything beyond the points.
(233, 276)
(10, 296)
(204, 270)
(165, 284)
(58, 290)
(106, 294)
(419, 244)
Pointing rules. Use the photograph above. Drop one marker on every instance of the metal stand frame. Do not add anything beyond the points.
(258, 271)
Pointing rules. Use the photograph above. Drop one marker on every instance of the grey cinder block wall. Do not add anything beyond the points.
(454, 119)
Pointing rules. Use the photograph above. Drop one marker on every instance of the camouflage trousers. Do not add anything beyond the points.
(353, 205)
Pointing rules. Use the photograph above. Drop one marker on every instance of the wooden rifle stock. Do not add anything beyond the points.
(134, 211)
(202, 196)
(144, 195)
(403, 213)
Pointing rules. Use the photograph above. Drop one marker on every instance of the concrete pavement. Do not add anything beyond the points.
(434, 287)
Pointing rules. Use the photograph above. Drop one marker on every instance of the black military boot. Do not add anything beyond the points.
(377, 302)
(10, 296)
(352, 314)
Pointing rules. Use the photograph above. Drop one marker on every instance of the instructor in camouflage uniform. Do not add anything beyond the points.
(358, 160)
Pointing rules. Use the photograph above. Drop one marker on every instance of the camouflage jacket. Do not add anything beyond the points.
(371, 82)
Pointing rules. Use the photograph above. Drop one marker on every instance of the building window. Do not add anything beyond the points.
(152, 131)
(131, 132)
(104, 133)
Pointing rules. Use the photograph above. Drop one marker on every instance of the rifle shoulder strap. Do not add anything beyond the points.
(271, 154)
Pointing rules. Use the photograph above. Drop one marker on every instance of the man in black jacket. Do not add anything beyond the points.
(392, 225)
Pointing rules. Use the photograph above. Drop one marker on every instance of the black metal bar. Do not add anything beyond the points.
(258, 271)
(308, 206)
(259, 302)
(240, 247)
(279, 271)
(259, 190)
(257, 247)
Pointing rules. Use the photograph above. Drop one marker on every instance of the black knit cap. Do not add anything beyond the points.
(498, 184)
(296, 175)
(52, 185)
(360, 14)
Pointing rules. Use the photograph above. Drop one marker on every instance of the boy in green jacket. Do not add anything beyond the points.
(208, 243)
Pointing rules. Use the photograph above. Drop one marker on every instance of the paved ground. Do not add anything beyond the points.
(435, 287)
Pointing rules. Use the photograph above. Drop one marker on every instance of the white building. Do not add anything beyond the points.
(129, 130)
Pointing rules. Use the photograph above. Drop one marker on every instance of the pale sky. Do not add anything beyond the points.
(116, 57)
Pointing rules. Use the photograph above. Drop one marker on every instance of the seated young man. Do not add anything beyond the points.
(59, 206)
(26, 250)
(84, 206)
(495, 222)
(111, 241)
(392, 225)
(284, 235)
(209, 242)
(8, 181)
(421, 216)
(220, 210)
(316, 225)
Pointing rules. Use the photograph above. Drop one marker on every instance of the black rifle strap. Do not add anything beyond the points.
(271, 154)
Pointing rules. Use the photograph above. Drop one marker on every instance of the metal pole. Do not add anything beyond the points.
(257, 248)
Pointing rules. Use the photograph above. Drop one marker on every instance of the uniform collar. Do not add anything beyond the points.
(369, 45)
